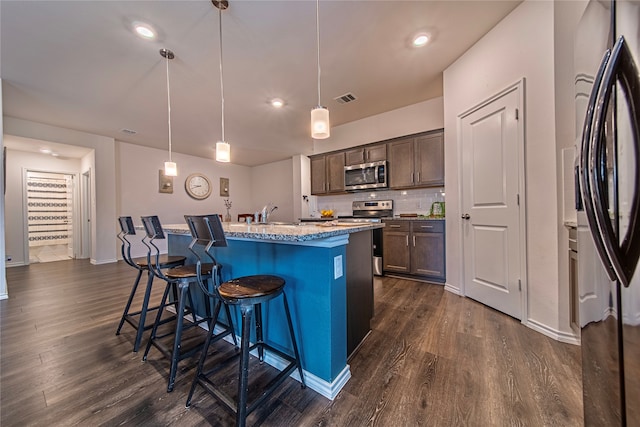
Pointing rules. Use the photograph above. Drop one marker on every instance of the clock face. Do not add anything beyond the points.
(198, 186)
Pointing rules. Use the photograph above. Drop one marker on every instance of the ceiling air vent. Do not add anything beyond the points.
(347, 97)
(128, 131)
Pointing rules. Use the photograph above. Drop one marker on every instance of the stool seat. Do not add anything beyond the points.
(248, 287)
(188, 271)
(166, 261)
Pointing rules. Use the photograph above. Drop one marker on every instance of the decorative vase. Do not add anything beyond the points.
(227, 217)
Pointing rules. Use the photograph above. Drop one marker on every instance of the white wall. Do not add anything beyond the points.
(273, 183)
(15, 215)
(421, 117)
(567, 14)
(104, 171)
(138, 183)
(520, 46)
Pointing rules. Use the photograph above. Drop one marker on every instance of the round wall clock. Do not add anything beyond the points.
(198, 186)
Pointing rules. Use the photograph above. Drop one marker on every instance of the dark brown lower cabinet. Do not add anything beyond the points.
(415, 248)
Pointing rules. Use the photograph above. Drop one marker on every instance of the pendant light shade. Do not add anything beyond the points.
(223, 152)
(320, 126)
(170, 167)
(223, 149)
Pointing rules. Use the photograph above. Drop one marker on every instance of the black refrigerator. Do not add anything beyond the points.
(607, 55)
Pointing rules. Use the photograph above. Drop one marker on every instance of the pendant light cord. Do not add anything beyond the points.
(221, 77)
(169, 105)
(318, 44)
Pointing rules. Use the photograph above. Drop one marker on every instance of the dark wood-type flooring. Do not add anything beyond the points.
(432, 359)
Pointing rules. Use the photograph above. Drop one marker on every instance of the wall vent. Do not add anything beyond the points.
(347, 97)
(128, 131)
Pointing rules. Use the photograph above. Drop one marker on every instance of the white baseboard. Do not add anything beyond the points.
(452, 289)
(105, 261)
(4, 296)
(327, 389)
(566, 337)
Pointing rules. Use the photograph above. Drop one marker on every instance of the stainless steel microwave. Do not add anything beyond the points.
(365, 175)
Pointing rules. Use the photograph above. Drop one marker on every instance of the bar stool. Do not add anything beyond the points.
(137, 319)
(181, 277)
(248, 293)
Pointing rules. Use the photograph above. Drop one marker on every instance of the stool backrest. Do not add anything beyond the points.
(126, 225)
(126, 229)
(152, 227)
(153, 230)
(206, 230)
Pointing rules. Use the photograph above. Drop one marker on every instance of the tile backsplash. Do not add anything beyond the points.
(404, 201)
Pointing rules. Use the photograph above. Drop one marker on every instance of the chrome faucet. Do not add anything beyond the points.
(266, 211)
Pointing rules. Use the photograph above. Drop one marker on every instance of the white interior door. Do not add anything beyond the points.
(490, 176)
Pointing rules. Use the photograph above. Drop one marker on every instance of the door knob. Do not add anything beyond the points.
(466, 216)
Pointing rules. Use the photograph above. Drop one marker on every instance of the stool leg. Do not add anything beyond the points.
(126, 307)
(177, 345)
(143, 313)
(259, 337)
(293, 339)
(243, 384)
(205, 349)
(163, 303)
(192, 306)
(233, 331)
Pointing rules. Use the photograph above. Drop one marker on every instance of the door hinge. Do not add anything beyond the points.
(518, 199)
(519, 285)
(517, 114)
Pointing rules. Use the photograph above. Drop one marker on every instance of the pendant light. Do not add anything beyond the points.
(170, 168)
(223, 149)
(320, 127)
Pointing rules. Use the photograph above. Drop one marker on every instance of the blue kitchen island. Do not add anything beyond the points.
(329, 286)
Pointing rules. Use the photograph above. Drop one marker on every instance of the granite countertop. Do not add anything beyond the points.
(281, 232)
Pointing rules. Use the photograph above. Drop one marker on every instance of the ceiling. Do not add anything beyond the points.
(78, 65)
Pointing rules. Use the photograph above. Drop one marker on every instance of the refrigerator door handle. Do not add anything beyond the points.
(623, 257)
(585, 168)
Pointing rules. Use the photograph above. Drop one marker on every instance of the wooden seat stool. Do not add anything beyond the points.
(182, 277)
(137, 319)
(248, 293)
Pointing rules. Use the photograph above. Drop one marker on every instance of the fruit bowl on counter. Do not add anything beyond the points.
(326, 213)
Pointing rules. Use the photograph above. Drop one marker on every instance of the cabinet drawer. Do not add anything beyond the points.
(428, 226)
(396, 226)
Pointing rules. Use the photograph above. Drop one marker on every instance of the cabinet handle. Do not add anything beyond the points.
(394, 226)
(414, 241)
(407, 240)
(418, 176)
(426, 226)
(412, 177)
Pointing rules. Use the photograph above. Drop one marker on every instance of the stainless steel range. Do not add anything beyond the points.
(372, 211)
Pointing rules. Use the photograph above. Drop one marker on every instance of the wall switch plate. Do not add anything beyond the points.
(224, 187)
(165, 184)
(337, 267)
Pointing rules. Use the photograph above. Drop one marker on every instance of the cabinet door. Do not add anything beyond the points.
(427, 254)
(395, 246)
(335, 172)
(375, 153)
(401, 163)
(318, 175)
(355, 157)
(429, 160)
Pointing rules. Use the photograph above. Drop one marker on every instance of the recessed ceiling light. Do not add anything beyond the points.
(144, 30)
(45, 151)
(55, 154)
(420, 40)
(277, 102)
